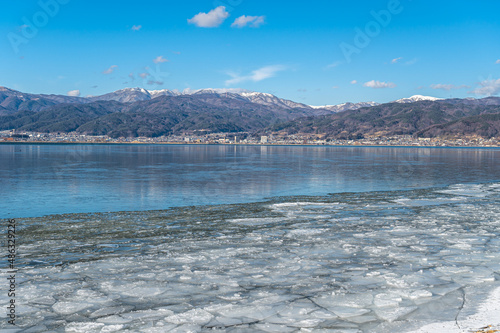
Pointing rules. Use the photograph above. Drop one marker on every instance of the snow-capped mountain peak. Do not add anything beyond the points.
(345, 106)
(417, 98)
(140, 94)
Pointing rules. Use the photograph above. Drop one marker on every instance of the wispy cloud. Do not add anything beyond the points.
(74, 93)
(136, 27)
(256, 75)
(488, 88)
(153, 82)
(447, 87)
(212, 19)
(396, 60)
(159, 60)
(110, 70)
(354, 82)
(144, 75)
(251, 21)
(378, 84)
(131, 76)
(497, 62)
(411, 62)
(334, 64)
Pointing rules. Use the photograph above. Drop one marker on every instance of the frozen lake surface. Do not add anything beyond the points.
(376, 261)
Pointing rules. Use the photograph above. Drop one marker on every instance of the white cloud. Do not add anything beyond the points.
(131, 76)
(110, 70)
(256, 75)
(74, 93)
(395, 60)
(136, 27)
(488, 88)
(447, 87)
(252, 21)
(354, 82)
(212, 19)
(144, 75)
(159, 60)
(497, 62)
(378, 85)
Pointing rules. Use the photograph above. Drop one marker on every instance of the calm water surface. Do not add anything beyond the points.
(38, 180)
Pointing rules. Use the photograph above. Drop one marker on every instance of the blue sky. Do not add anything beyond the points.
(314, 52)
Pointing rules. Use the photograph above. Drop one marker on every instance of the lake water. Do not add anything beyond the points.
(259, 239)
(40, 180)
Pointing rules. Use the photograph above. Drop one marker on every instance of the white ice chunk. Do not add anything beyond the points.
(149, 314)
(307, 323)
(347, 300)
(161, 328)
(112, 328)
(221, 321)
(420, 294)
(257, 312)
(114, 319)
(110, 311)
(323, 314)
(84, 327)
(387, 300)
(266, 327)
(66, 308)
(346, 312)
(44, 300)
(195, 316)
(392, 314)
(136, 289)
(186, 328)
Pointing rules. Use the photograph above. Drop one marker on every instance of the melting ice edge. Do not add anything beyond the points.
(351, 262)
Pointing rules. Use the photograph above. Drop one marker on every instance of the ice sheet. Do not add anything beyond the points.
(365, 262)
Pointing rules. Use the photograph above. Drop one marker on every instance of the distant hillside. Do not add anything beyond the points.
(12, 101)
(485, 125)
(59, 118)
(133, 112)
(390, 119)
(160, 116)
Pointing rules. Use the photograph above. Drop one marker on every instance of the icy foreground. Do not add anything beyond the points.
(368, 262)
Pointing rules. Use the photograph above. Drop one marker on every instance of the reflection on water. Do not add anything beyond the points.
(49, 179)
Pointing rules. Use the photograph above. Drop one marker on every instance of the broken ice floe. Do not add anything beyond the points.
(366, 262)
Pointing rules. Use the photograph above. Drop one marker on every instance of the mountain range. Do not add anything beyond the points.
(12, 100)
(135, 112)
(421, 119)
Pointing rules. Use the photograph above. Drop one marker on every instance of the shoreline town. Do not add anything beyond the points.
(248, 139)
